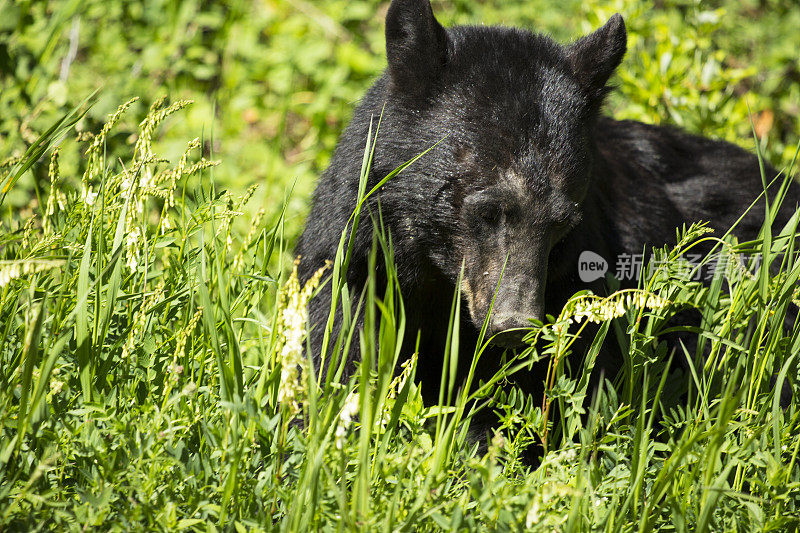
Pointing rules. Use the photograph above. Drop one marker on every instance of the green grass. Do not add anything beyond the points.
(149, 321)
(148, 356)
(279, 78)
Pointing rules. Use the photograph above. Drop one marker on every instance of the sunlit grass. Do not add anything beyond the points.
(154, 375)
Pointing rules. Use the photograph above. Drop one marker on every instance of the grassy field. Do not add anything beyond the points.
(151, 328)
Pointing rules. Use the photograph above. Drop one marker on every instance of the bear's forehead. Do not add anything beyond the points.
(509, 57)
(505, 130)
(528, 170)
(521, 105)
(508, 76)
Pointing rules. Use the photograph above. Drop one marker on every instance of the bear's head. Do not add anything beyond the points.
(513, 113)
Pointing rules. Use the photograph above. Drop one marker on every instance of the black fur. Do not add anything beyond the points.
(526, 171)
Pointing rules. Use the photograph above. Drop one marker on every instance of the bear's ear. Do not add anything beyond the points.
(594, 57)
(416, 44)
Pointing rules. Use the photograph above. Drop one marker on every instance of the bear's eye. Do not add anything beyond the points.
(490, 212)
(562, 221)
(485, 209)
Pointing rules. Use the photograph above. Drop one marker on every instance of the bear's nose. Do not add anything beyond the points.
(508, 339)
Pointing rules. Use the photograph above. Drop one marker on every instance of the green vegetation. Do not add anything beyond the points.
(275, 81)
(150, 326)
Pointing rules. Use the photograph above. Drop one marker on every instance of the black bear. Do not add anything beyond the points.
(525, 176)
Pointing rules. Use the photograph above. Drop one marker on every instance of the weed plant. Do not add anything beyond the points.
(154, 374)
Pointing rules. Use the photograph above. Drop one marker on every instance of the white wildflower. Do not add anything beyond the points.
(88, 196)
(534, 516)
(708, 17)
(146, 178)
(166, 224)
(11, 270)
(350, 409)
(132, 248)
(565, 457)
(600, 501)
(496, 446)
(399, 382)
(339, 436)
(291, 332)
(349, 412)
(126, 185)
(599, 310)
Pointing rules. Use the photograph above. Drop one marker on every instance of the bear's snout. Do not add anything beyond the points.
(504, 330)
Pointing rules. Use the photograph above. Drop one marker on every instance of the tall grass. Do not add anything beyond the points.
(154, 374)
